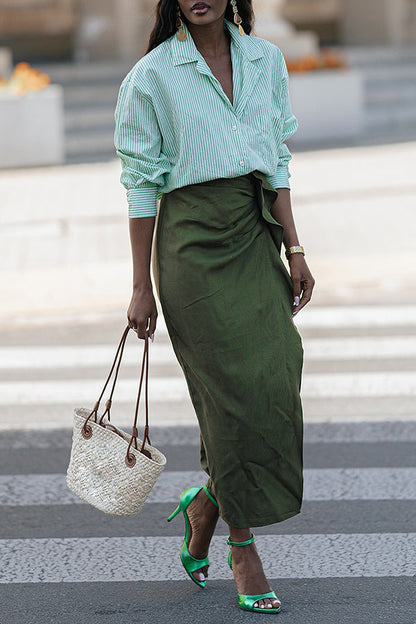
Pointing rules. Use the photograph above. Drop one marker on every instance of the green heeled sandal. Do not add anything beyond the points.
(190, 563)
(246, 602)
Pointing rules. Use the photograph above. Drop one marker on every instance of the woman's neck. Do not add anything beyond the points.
(211, 40)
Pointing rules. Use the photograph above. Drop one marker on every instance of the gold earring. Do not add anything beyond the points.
(237, 18)
(181, 34)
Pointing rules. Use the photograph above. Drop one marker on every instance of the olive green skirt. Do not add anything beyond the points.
(227, 297)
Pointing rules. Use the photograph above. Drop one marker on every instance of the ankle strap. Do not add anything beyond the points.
(249, 541)
(211, 498)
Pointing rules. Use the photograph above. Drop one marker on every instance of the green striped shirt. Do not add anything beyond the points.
(175, 125)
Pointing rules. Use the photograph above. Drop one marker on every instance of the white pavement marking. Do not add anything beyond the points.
(349, 385)
(321, 484)
(84, 356)
(167, 389)
(374, 348)
(313, 317)
(356, 316)
(83, 560)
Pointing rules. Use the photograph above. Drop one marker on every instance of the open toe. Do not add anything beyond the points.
(260, 603)
(199, 576)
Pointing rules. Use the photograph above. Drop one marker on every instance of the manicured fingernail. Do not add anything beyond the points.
(297, 301)
(153, 336)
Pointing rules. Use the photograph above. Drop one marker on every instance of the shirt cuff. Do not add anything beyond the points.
(142, 202)
(281, 178)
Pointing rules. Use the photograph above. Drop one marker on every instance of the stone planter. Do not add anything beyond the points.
(329, 105)
(32, 128)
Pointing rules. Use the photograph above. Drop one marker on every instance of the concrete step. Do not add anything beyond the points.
(87, 73)
(385, 115)
(91, 144)
(400, 73)
(386, 93)
(77, 120)
(380, 55)
(85, 96)
(391, 133)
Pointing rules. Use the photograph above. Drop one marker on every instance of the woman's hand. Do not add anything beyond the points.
(303, 282)
(142, 312)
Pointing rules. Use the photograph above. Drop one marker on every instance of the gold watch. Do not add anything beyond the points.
(294, 249)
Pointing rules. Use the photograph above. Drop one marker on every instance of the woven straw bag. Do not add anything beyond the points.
(110, 469)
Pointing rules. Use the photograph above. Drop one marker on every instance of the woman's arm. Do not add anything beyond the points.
(142, 312)
(303, 282)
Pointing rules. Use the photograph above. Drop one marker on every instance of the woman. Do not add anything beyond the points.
(201, 122)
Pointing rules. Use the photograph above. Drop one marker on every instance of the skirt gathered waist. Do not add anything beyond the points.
(226, 296)
(228, 218)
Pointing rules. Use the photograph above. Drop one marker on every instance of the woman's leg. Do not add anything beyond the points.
(248, 570)
(203, 518)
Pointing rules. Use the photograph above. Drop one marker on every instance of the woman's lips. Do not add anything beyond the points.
(200, 8)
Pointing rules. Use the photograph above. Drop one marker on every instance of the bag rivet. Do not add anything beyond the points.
(86, 432)
(130, 461)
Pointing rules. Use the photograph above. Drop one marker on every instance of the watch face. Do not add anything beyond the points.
(294, 249)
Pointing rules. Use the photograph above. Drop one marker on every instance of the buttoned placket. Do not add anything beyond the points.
(203, 67)
(236, 127)
(236, 131)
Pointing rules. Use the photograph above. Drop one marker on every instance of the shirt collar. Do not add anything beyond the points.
(186, 51)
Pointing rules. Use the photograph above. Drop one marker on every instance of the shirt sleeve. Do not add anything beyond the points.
(138, 143)
(290, 124)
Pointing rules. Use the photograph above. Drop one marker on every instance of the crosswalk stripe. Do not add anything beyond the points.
(331, 317)
(79, 560)
(313, 317)
(348, 385)
(351, 348)
(50, 392)
(15, 358)
(84, 356)
(321, 484)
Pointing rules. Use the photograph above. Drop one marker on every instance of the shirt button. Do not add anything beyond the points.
(241, 163)
(234, 127)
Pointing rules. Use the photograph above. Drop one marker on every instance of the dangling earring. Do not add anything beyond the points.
(181, 34)
(237, 18)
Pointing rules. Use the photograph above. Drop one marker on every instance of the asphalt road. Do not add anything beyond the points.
(348, 558)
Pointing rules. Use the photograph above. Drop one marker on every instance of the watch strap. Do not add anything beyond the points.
(294, 249)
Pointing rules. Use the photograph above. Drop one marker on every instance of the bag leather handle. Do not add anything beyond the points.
(144, 375)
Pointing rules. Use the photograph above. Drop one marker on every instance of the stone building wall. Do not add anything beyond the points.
(379, 22)
(38, 28)
(76, 29)
(360, 22)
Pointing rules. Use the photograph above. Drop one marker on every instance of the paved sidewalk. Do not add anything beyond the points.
(65, 246)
